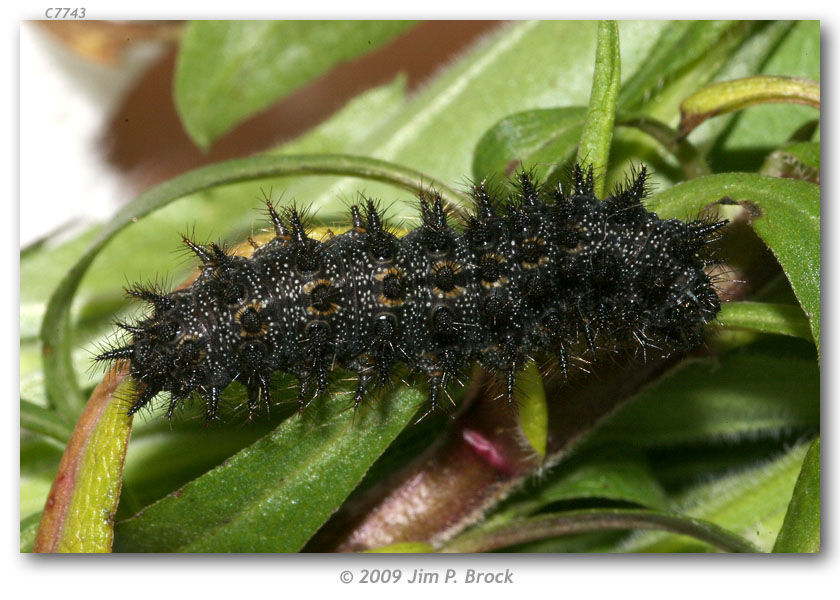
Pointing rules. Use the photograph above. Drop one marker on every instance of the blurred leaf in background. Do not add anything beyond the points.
(229, 70)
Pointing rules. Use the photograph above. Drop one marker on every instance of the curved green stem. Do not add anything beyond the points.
(692, 163)
(38, 419)
(60, 380)
(737, 94)
(601, 519)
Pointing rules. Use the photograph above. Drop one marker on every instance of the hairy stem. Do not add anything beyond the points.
(601, 519)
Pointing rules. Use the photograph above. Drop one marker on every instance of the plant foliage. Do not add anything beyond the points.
(711, 455)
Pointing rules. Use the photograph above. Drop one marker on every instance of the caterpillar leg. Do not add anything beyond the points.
(173, 402)
(303, 392)
(437, 386)
(361, 388)
(211, 404)
(510, 384)
(258, 390)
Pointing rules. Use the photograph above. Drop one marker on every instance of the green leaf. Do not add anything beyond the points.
(729, 96)
(766, 317)
(617, 473)
(486, 539)
(533, 411)
(685, 54)
(158, 463)
(539, 138)
(438, 129)
(594, 147)
(546, 140)
(784, 212)
(749, 503)
(229, 70)
(274, 495)
(801, 528)
(741, 395)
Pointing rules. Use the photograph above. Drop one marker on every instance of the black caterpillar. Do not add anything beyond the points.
(536, 271)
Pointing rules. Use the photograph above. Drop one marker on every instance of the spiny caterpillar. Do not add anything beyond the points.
(535, 270)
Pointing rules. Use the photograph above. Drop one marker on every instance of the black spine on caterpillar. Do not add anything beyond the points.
(538, 272)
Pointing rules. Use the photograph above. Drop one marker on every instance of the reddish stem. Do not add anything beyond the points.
(57, 507)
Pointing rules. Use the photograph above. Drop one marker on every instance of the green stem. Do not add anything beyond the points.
(596, 137)
(728, 96)
(60, 379)
(37, 419)
(604, 519)
(692, 163)
(766, 317)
